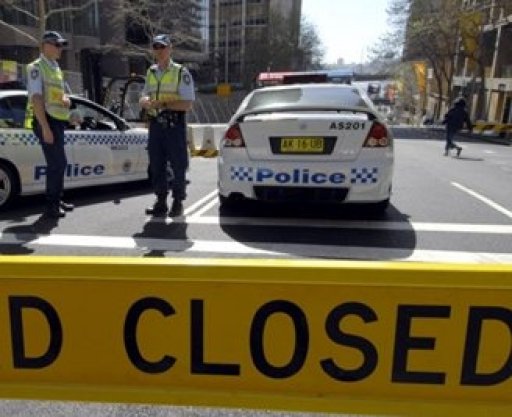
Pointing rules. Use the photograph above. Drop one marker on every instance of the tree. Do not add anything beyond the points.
(281, 51)
(432, 34)
(311, 52)
(477, 46)
(437, 30)
(145, 18)
(40, 12)
(385, 56)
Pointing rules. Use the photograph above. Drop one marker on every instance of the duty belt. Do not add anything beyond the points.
(169, 118)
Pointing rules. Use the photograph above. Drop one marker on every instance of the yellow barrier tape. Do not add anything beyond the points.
(352, 337)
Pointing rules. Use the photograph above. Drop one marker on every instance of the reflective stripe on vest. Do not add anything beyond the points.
(165, 88)
(53, 91)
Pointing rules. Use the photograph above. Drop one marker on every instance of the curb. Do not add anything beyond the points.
(403, 132)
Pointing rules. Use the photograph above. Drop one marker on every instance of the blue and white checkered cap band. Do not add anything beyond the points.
(241, 174)
(364, 175)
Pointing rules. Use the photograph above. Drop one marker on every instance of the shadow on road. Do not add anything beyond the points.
(22, 235)
(340, 230)
(80, 197)
(162, 238)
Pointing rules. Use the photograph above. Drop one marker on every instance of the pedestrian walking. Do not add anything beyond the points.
(454, 120)
(167, 95)
(47, 114)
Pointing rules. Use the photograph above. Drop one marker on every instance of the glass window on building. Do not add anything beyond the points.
(13, 17)
(86, 22)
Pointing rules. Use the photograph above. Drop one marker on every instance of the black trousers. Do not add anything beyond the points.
(168, 143)
(55, 157)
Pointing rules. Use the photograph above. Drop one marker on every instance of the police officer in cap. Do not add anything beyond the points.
(167, 95)
(47, 114)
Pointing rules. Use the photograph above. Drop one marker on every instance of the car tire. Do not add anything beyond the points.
(9, 186)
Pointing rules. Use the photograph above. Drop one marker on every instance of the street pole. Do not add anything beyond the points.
(226, 54)
(216, 42)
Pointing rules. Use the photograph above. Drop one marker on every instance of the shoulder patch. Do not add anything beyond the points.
(34, 73)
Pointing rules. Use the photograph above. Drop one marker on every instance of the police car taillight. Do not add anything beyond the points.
(377, 137)
(233, 137)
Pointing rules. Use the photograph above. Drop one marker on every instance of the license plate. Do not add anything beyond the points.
(302, 145)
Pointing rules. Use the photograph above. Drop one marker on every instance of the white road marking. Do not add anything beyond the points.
(485, 200)
(205, 208)
(189, 210)
(270, 249)
(501, 229)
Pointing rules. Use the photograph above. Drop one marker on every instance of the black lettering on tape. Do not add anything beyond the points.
(404, 342)
(477, 316)
(197, 363)
(301, 339)
(19, 357)
(332, 327)
(130, 335)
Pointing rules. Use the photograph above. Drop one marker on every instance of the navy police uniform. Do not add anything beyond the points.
(45, 79)
(167, 141)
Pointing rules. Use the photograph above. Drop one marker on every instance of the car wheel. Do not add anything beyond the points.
(9, 187)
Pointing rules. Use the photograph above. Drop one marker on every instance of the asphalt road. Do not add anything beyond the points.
(444, 209)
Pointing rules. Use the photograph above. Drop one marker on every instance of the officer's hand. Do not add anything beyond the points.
(145, 104)
(155, 104)
(48, 136)
(66, 101)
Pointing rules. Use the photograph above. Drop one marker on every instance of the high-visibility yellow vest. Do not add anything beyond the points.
(165, 88)
(53, 91)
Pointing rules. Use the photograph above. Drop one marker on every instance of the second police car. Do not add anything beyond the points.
(101, 148)
(307, 142)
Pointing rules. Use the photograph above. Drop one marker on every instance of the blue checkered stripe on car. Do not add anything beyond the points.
(110, 138)
(28, 138)
(364, 175)
(241, 174)
(25, 138)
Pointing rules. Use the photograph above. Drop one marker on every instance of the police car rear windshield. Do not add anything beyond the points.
(320, 96)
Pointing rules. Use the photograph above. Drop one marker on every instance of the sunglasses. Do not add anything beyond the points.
(159, 46)
(56, 44)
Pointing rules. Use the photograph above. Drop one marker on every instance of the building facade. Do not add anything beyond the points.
(102, 37)
(481, 63)
(239, 29)
(496, 21)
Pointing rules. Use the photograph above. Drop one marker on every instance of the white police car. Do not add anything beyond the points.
(101, 148)
(307, 142)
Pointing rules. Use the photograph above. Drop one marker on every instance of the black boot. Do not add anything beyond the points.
(176, 209)
(66, 206)
(159, 208)
(53, 211)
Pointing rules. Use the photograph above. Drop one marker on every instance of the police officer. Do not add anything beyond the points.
(167, 95)
(47, 114)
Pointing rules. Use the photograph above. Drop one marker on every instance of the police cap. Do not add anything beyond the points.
(55, 38)
(162, 39)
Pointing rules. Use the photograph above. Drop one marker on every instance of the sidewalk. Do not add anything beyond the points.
(438, 132)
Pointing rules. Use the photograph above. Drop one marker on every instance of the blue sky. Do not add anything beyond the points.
(347, 28)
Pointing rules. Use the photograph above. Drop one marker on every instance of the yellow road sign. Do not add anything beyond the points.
(388, 338)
